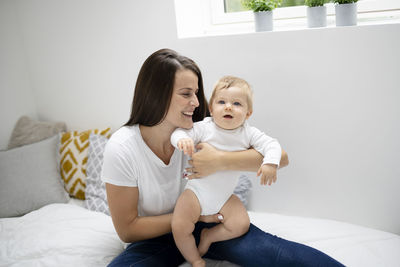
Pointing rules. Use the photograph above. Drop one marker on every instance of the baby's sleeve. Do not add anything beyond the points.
(179, 134)
(269, 147)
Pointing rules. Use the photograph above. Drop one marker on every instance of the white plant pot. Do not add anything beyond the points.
(316, 16)
(346, 14)
(263, 21)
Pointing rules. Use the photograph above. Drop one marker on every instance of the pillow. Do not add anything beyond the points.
(243, 188)
(73, 158)
(96, 197)
(28, 131)
(29, 178)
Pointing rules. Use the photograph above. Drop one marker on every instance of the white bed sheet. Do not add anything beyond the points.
(58, 235)
(352, 245)
(68, 235)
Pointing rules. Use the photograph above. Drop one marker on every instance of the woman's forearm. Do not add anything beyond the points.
(123, 202)
(247, 160)
(284, 159)
(209, 160)
(147, 227)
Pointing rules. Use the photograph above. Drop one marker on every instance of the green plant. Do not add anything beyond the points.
(261, 5)
(344, 1)
(313, 3)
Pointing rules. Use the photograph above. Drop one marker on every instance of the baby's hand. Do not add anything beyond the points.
(187, 145)
(268, 174)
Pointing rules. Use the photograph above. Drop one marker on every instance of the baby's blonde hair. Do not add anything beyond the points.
(232, 81)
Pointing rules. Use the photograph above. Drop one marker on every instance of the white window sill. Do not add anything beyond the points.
(295, 24)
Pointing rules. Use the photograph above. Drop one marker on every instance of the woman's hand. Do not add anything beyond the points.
(205, 161)
(215, 218)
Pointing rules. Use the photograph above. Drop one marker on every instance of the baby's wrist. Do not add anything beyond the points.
(270, 164)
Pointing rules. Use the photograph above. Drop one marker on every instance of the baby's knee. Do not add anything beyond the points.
(243, 225)
(239, 226)
(181, 225)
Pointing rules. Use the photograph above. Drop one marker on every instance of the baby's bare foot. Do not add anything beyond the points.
(199, 263)
(204, 244)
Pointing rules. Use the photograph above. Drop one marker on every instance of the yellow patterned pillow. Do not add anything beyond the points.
(73, 158)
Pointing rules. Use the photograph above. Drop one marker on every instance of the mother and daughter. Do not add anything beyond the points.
(166, 220)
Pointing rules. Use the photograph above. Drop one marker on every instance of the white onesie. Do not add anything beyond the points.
(214, 190)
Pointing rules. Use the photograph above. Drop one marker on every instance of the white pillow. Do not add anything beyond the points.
(29, 178)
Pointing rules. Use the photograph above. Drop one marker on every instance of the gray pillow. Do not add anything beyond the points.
(95, 192)
(28, 131)
(243, 188)
(29, 178)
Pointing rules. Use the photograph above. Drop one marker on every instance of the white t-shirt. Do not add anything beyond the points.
(128, 161)
(214, 190)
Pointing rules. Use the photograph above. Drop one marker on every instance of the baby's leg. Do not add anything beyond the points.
(186, 214)
(236, 223)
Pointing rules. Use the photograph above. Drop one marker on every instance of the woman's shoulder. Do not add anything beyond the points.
(124, 139)
(124, 134)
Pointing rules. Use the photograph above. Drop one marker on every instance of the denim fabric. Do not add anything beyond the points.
(255, 248)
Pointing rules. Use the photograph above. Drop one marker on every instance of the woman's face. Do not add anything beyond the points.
(184, 100)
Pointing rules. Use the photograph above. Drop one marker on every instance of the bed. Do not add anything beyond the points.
(71, 235)
(45, 220)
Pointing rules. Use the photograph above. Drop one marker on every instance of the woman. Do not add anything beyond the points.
(143, 174)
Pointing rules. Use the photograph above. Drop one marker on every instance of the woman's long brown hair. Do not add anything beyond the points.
(154, 87)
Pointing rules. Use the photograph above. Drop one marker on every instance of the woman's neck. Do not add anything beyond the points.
(157, 138)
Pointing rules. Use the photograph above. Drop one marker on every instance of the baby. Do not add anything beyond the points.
(227, 129)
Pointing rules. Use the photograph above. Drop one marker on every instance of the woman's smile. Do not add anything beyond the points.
(188, 113)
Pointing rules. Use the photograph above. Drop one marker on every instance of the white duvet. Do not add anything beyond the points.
(58, 235)
(69, 235)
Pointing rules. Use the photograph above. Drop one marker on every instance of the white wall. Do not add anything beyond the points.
(85, 55)
(328, 95)
(16, 98)
(331, 96)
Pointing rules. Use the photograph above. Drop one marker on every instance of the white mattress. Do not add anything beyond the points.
(68, 235)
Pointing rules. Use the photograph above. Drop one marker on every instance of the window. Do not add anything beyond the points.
(219, 17)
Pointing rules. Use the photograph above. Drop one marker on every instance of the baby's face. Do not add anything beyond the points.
(229, 108)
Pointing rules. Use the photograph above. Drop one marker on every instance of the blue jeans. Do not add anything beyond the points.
(255, 248)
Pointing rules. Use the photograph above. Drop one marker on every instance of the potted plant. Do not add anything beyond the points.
(262, 12)
(316, 13)
(346, 12)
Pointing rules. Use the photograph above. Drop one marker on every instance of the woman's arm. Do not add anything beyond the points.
(209, 160)
(284, 159)
(122, 201)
